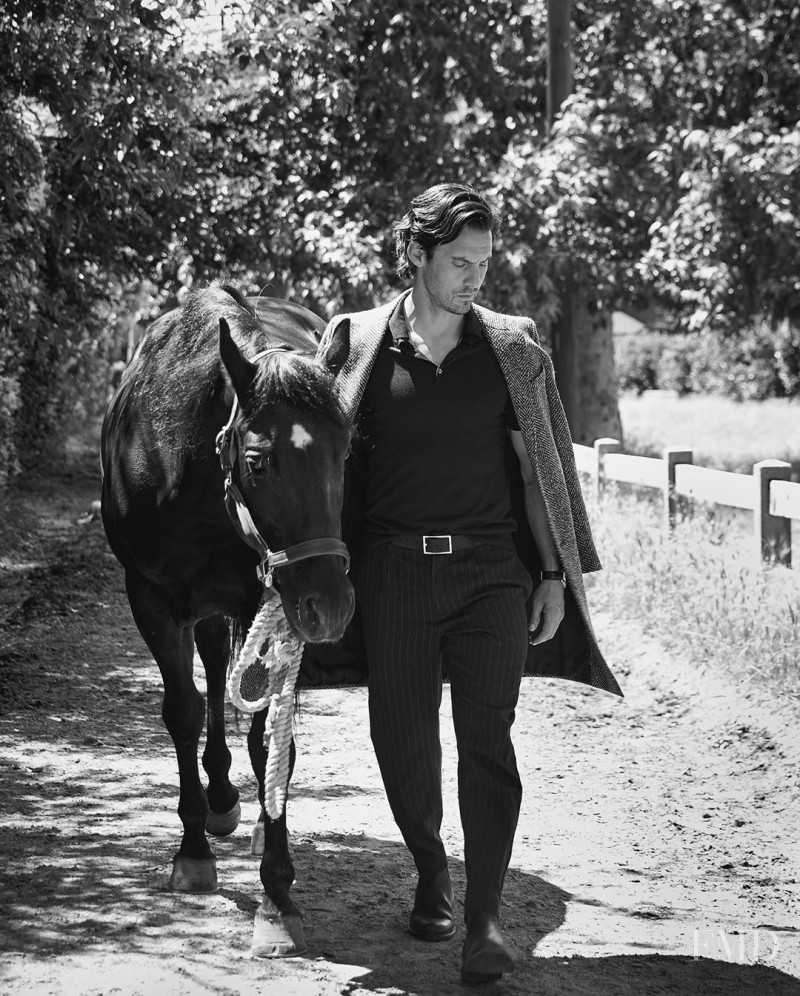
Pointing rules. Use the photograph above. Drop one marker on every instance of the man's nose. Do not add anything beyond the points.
(474, 277)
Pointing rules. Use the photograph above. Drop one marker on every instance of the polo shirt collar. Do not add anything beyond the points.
(399, 332)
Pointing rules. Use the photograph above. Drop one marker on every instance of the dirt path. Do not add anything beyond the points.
(653, 829)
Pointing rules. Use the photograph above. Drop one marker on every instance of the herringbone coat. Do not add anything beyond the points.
(350, 345)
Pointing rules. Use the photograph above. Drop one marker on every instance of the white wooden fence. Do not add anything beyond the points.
(768, 492)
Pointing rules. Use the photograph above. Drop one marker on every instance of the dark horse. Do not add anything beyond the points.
(188, 569)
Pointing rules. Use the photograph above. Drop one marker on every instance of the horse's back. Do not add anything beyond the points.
(176, 372)
(287, 323)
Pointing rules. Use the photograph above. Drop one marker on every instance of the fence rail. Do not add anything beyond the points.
(768, 492)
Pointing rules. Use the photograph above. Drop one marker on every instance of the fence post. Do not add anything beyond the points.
(772, 533)
(602, 446)
(673, 502)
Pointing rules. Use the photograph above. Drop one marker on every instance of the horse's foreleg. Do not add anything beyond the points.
(212, 639)
(172, 646)
(278, 930)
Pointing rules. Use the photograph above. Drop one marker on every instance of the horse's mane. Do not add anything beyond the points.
(181, 378)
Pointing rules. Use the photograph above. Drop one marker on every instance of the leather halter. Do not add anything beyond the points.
(226, 446)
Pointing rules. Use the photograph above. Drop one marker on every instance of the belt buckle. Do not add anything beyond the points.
(436, 553)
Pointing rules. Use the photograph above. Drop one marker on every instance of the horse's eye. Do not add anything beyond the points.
(257, 463)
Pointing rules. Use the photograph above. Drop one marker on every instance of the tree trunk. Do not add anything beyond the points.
(583, 351)
(583, 355)
(559, 56)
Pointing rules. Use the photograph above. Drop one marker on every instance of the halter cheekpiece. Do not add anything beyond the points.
(239, 514)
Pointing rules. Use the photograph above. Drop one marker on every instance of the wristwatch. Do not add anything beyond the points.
(553, 576)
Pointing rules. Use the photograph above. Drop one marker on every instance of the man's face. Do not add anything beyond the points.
(453, 274)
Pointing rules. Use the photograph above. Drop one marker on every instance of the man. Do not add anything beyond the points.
(465, 457)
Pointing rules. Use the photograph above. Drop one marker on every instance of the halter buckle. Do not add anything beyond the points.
(266, 573)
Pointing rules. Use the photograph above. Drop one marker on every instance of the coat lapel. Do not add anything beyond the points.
(367, 329)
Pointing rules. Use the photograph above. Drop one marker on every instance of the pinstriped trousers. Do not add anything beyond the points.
(463, 615)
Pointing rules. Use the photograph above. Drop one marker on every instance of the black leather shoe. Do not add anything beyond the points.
(485, 957)
(432, 916)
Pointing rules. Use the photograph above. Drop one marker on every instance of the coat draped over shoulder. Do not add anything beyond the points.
(349, 346)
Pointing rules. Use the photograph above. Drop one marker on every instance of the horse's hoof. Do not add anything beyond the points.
(257, 839)
(276, 935)
(193, 874)
(222, 824)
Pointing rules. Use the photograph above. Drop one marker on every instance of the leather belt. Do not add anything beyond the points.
(437, 544)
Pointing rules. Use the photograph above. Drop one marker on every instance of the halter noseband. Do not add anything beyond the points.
(240, 514)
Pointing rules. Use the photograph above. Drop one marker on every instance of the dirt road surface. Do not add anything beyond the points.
(657, 850)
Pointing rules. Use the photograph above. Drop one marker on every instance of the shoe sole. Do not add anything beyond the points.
(478, 978)
(425, 936)
(494, 969)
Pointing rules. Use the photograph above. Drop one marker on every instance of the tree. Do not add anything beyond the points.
(274, 158)
(344, 111)
(583, 350)
(91, 95)
(671, 174)
(143, 151)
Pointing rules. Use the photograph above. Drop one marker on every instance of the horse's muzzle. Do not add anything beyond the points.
(321, 605)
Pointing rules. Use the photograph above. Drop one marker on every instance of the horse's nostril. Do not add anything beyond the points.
(312, 619)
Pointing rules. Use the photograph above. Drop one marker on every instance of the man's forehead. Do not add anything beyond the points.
(471, 243)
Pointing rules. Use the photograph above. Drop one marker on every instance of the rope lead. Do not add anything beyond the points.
(264, 677)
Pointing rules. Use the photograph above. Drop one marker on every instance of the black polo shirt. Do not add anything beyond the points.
(435, 438)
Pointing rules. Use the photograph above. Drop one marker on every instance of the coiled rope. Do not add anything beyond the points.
(264, 677)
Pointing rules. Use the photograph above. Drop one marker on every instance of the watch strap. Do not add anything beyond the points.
(553, 576)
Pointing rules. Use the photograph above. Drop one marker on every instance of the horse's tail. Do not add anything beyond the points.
(238, 634)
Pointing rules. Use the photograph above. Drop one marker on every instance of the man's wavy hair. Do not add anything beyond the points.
(437, 217)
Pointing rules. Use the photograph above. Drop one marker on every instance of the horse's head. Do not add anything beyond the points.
(292, 440)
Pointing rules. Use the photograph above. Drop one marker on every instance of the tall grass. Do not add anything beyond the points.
(724, 434)
(700, 590)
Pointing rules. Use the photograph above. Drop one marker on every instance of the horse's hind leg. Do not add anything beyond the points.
(278, 931)
(194, 866)
(212, 639)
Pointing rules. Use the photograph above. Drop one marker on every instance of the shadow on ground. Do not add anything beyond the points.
(354, 893)
(88, 792)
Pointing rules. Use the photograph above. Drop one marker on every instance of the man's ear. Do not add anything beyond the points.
(239, 369)
(338, 348)
(416, 254)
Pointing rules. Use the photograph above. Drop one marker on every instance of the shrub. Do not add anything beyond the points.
(676, 363)
(637, 357)
(742, 367)
(758, 362)
(21, 256)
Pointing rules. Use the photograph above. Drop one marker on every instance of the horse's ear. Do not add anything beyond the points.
(338, 348)
(240, 370)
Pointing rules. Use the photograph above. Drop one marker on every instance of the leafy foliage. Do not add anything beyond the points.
(91, 96)
(149, 142)
(672, 174)
(637, 357)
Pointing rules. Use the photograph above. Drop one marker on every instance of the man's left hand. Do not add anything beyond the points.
(547, 611)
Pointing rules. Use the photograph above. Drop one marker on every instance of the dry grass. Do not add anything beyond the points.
(724, 434)
(699, 590)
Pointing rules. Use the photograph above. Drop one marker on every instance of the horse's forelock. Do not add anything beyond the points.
(292, 380)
